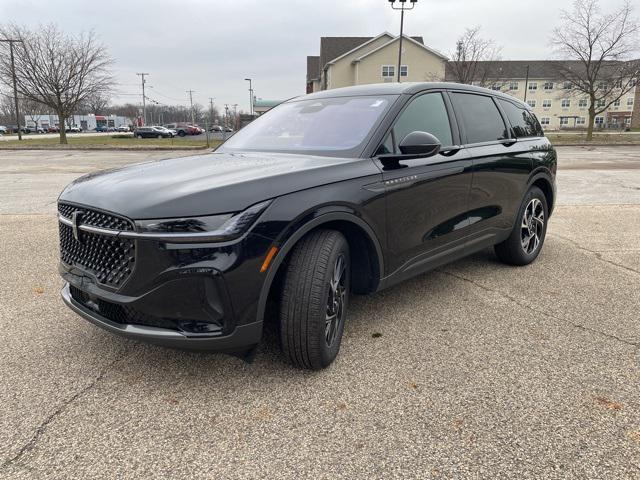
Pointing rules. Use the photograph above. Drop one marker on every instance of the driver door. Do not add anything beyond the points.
(426, 198)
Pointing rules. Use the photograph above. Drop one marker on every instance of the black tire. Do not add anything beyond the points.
(513, 250)
(309, 339)
(181, 133)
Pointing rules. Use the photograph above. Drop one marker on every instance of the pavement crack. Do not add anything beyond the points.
(42, 428)
(541, 312)
(598, 255)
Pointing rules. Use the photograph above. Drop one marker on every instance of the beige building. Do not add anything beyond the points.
(347, 61)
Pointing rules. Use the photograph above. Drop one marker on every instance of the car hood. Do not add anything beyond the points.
(208, 184)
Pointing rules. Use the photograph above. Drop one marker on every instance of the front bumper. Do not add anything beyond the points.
(242, 337)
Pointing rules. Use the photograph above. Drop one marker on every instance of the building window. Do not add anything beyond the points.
(496, 86)
(627, 120)
(566, 103)
(616, 103)
(513, 86)
(581, 121)
(566, 85)
(602, 86)
(388, 71)
(533, 85)
(548, 85)
(630, 102)
(600, 102)
(599, 121)
(546, 103)
(564, 120)
(582, 103)
(544, 121)
(404, 70)
(531, 103)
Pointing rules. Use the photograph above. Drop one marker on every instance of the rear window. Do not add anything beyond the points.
(480, 117)
(523, 123)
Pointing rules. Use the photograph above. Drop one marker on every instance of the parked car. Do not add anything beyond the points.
(74, 129)
(172, 133)
(33, 129)
(228, 129)
(152, 132)
(182, 129)
(342, 191)
(123, 128)
(53, 129)
(215, 128)
(3, 129)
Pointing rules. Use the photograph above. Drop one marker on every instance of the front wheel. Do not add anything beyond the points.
(314, 301)
(181, 133)
(527, 237)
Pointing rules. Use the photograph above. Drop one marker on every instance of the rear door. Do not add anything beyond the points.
(426, 197)
(501, 165)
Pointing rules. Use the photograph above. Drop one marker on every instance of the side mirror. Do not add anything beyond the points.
(420, 143)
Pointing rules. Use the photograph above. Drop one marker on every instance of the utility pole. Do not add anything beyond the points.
(15, 82)
(250, 96)
(235, 116)
(211, 99)
(190, 92)
(144, 101)
(402, 8)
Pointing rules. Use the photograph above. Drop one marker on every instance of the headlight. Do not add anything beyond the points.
(213, 228)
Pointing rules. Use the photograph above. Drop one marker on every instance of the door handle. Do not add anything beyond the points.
(449, 151)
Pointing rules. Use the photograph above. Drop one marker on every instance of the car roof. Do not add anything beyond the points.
(406, 88)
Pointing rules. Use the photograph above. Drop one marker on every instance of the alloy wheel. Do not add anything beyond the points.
(532, 226)
(336, 301)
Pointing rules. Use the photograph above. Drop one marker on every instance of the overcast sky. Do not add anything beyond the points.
(211, 46)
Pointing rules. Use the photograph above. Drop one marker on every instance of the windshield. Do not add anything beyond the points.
(327, 126)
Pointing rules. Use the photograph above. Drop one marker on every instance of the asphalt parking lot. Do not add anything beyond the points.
(476, 370)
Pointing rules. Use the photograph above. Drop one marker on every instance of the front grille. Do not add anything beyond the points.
(110, 259)
(95, 218)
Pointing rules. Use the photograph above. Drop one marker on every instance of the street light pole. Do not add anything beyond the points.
(15, 83)
(250, 97)
(403, 6)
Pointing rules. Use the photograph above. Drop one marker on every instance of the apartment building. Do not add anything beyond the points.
(346, 61)
(552, 100)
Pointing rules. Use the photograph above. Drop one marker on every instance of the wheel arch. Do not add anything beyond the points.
(366, 252)
(542, 180)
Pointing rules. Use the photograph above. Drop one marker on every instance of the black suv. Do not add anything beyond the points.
(343, 191)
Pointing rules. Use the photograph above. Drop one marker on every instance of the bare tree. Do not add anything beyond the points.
(32, 109)
(57, 69)
(97, 103)
(471, 60)
(603, 45)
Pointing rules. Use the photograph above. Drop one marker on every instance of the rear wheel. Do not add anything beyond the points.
(181, 133)
(525, 242)
(314, 301)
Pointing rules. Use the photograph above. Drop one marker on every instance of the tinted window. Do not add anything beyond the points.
(427, 113)
(522, 122)
(480, 117)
